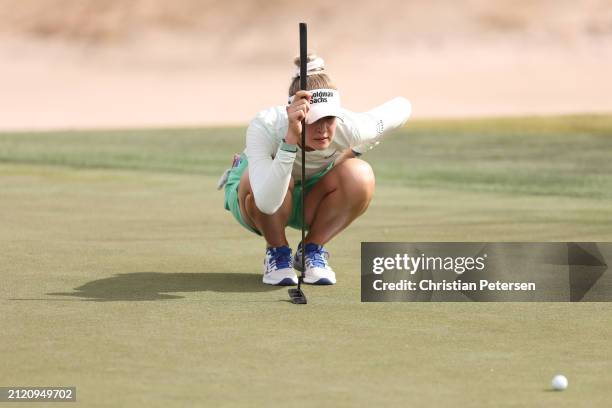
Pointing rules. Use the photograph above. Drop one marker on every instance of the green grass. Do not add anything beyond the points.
(567, 156)
(123, 275)
(202, 151)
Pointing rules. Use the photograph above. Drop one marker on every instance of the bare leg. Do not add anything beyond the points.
(341, 196)
(271, 226)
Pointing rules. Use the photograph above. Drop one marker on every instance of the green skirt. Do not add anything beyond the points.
(233, 206)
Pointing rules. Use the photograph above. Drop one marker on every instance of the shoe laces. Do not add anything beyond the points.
(316, 256)
(279, 258)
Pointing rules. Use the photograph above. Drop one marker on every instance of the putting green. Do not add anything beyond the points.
(122, 274)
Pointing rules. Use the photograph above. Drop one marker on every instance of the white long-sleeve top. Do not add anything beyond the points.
(271, 168)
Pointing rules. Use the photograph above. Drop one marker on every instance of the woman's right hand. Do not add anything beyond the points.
(296, 112)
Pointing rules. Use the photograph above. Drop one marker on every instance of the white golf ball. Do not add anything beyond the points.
(559, 382)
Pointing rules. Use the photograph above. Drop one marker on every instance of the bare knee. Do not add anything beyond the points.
(358, 180)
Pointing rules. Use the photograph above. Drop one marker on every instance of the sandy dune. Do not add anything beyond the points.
(77, 63)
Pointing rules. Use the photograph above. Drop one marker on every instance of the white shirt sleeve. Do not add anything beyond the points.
(269, 166)
(369, 127)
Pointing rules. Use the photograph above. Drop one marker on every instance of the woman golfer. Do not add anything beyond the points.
(263, 189)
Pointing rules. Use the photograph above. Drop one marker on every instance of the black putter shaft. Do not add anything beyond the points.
(296, 294)
(303, 77)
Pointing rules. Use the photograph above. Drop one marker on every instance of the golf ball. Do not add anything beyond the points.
(559, 382)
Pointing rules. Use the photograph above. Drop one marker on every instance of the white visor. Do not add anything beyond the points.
(324, 102)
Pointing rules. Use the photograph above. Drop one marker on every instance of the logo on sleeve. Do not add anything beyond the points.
(380, 126)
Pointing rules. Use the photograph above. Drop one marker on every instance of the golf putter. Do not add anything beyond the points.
(296, 294)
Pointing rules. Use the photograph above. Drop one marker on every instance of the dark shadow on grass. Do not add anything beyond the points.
(158, 285)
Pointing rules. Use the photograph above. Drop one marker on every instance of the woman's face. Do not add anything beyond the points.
(320, 134)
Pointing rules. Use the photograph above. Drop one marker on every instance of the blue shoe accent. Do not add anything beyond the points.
(318, 271)
(315, 256)
(287, 282)
(280, 257)
(278, 267)
(323, 281)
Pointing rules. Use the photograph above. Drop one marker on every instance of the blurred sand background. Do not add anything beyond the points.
(131, 63)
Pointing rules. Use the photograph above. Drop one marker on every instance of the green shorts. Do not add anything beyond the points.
(233, 206)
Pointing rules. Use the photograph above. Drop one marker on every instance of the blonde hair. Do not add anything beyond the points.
(313, 81)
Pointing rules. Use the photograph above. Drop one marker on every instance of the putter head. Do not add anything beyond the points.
(297, 296)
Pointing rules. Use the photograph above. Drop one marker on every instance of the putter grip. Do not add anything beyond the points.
(303, 55)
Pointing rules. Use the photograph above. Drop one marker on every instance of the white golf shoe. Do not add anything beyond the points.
(278, 267)
(318, 271)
